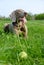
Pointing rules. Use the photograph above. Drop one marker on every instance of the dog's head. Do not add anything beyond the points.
(18, 15)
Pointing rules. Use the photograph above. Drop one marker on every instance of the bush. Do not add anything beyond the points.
(4, 18)
(39, 16)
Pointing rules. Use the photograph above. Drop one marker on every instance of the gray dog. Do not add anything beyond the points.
(18, 24)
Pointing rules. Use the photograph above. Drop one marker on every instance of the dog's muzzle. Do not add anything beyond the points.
(23, 20)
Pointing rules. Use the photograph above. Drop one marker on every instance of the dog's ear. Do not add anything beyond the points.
(25, 14)
(13, 16)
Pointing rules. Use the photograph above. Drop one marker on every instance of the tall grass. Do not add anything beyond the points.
(11, 45)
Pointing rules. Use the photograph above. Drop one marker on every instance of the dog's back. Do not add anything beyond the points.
(10, 27)
(6, 28)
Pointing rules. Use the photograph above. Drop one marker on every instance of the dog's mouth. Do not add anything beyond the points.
(23, 20)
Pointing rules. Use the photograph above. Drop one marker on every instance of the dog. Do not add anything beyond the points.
(18, 24)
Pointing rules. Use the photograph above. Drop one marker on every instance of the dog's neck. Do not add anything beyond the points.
(15, 24)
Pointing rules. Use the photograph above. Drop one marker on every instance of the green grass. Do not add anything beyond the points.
(11, 45)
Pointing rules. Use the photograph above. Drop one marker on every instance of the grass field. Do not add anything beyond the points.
(11, 45)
